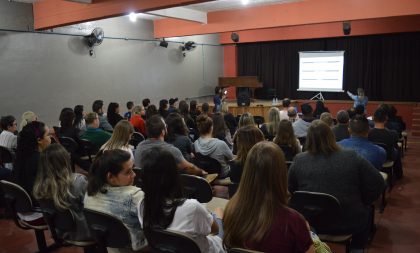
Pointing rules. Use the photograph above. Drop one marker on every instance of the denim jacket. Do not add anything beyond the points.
(121, 202)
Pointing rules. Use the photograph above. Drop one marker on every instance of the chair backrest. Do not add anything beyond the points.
(167, 241)
(69, 144)
(239, 250)
(196, 188)
(207, 163)
(17, 199)
(389, 150)
(136, 138)
(321, 210)
(5, 156)
(108, 230)
(88, 148)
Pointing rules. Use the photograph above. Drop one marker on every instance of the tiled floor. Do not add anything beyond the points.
(398, 227)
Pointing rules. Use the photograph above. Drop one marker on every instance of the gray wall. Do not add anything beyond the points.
(46, 72)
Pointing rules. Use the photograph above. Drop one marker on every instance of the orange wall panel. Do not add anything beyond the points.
(229, 67)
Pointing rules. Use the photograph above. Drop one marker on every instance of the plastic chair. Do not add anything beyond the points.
(322, 212)
(388, 166)
(196, 188)
(18, 201)
(210, 165)
(168, 241)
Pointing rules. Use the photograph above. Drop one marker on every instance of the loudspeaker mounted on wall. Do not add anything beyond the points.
(346, 27)
(234, 37)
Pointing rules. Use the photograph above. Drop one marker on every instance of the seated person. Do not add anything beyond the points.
(178, 135)
(8, 139)
(269, 129)
(56, 182)
(246, 138)
(163, 108)
(110, 190)
(301, 125)
(319, 109)
(287, 140)
(93, 133)
(27, 117)
(130, 106)
(212, 147)
(120, 138)
(229, 119)
(220, 129)
(395, 122)
(292, 114)
(257, 216)
(156, 131)
(137, 119)
(283, 113)
(359, 142)
(113, 114)
(327, 168)
(79, 120)
(164, 205)
(97, 107)
(341, 130)
(326, 117)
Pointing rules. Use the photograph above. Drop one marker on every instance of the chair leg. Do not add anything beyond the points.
(40, 240)
(383, 202)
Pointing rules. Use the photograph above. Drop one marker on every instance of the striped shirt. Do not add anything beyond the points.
(8, 140)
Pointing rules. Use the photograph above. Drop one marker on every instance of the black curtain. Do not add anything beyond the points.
(386, 66)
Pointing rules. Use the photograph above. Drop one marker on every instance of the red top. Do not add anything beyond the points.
(289, 234)
(138, 123)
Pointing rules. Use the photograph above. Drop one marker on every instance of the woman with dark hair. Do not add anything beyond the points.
(184, 111)
(165, 207)
(79, 120)
(287, 140)
(163, 108)
(177, 135)
(110, 190)
(56, 182)
(32, 140)
(246, 138)
(150, 111)
(319, 109)
(229, 119)
(257, 216)
(194, 111)
(327, 168)
(220, 130)
(113, 114)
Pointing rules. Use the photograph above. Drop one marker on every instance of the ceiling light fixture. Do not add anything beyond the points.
(133, 17)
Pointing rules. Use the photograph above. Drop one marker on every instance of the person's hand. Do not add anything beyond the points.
(203, 172)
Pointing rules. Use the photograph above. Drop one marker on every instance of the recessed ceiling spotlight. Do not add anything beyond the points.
(133, 17)
(245, 2)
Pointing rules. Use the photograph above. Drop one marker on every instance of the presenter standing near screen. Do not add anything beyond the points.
(359, 99)
(218, 98)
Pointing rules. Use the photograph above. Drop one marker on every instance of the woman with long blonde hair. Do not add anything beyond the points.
(120, 138)
(257, 216)
(269, 129)
(27, 117)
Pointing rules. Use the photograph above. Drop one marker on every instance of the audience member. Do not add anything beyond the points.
(113, 114)
(79, 120)
(327, 118)
(56, 182)
(151, 110)
(164, 205)
(93, 133)
(184, 111)
(212, 147)
(163, 108)
(172, 105)
(178, 135)
(292, 114)
(352, 112)
(194, 112)
(8, 139)
(246, 138)
(359, 130)
(283, 112)
(156, 131)
(286, 140)
(395, 122)
(269, 129)
(145, 102)
(327, 168)
(359, 99)
(205, 107)
(220, 130)
(130, 106)
(120, 138)
(27, 117)
(137, 119)
(341, 130)
(319, 109)
(97, 107)
(257, 216)
(229, 118)
(246, 119)
(301, 125)
(110, 190)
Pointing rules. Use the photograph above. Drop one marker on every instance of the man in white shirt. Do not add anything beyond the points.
(8, 138)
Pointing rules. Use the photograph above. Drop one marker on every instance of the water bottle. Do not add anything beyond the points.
(274, 101)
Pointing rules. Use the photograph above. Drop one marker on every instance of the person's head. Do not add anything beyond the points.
(155, 127)
(113, 168)
(246, 119)
(261, 192)
(130, 105)
(320, 139)
(33, 137)
(67, 117)
(319, 106)
(120, 136)
(327, 118)
(285, 103)
(92, 120)
(286, 135)
(79, 114)
(204, 124)
(246, 138)
(139, 110)
(359, 110)
(151, 110)
(172, 102)
(359, 126)
(8, 123)
(183, 107)
(291, 112)
(193, 105)
(380, 115)
(113, 108)
(163, 104)
(26, 118)
(273, 120)
(360, 92)
(176, 126)
(352, 112)
(225, 107)
(306, 110)
(54, 176)
(162, 188)
(145, 102)
(97, 106)
(218, 90)
(219, 126)
(343, 117)
(205, 107)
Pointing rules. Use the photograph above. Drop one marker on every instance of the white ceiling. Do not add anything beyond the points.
(220, 5)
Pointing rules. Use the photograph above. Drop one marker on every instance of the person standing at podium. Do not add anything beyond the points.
(218, 99)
